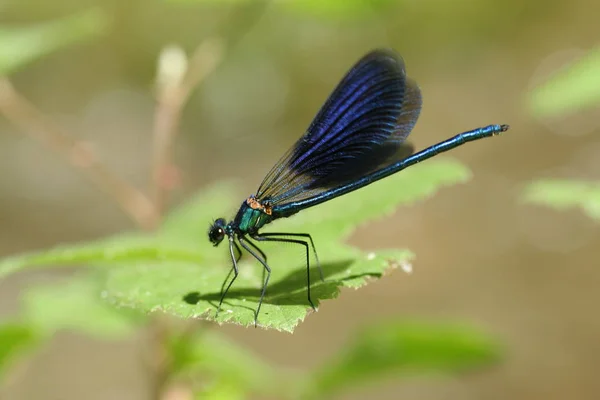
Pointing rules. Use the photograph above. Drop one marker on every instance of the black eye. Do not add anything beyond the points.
(216, 233)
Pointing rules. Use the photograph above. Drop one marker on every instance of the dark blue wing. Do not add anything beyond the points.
(360, 129)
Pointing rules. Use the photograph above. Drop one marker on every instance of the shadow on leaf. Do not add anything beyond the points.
(289, 290)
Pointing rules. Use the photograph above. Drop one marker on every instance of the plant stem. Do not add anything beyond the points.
(171, 98)
(32, 122)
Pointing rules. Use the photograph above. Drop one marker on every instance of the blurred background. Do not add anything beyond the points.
(525, 273)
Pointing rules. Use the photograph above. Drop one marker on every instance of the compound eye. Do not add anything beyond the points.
(216, 233)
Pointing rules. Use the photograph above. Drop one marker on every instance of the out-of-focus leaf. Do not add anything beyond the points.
(564, 194)
(332, 9)
(22, 45)
(218, 2)
(75, 305)
(573, 88)
(15, 340)
(337, 8)
(230, 368)
(119, 249)
(221, 390)
(404, 348)
(189, 222)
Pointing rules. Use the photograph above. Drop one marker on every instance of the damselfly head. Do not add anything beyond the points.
(217, 232)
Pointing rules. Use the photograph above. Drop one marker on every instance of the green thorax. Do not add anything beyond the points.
(249, 220)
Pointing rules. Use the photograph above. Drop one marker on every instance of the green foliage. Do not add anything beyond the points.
(218, 2)
(189, 222)
(15, 339)
(22, 45)
(406, 348)
(338, 8)
(76, 306)
(162, 271)
(571, 89)
(333, 9)
(370, 355)
(225, 365)
(191, 290)
(179, 272)
(565, 194)
(122, 248)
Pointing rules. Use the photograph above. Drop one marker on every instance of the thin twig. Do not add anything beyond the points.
(171, 98)
(160, 362)
(31, 121)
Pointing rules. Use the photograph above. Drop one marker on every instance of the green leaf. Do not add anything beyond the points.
(331, 9)
(404, 348)
(189, 222)
(230, 368)
(22, 45)
(337, 8)
(15, 340)
(75, 305)
(221, 390)
(219, 2)
(119, 249)
(571, 89)
(177, 270)
(78, 306)
(191, 290)
(565, 194)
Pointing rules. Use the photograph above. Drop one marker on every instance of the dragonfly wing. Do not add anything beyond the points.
(361, 127)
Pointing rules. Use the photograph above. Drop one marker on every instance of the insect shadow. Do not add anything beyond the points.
(288, 290)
